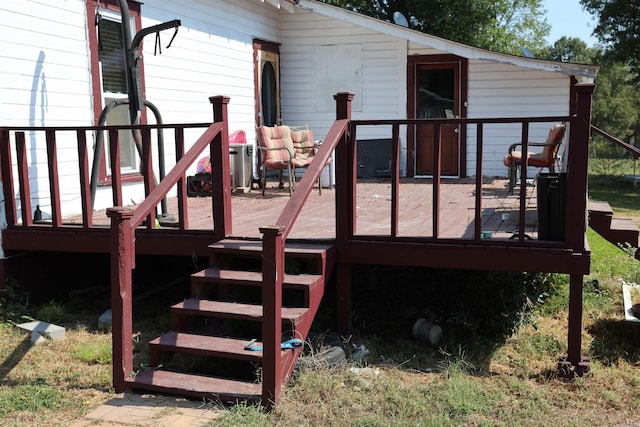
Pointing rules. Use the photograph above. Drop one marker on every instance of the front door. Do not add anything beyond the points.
(436, 93)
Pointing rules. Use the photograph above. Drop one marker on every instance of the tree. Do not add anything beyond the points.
(571, 49)
(615, 105)
(500, 25)
(618, 29)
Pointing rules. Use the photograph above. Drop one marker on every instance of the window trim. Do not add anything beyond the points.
(104, 179)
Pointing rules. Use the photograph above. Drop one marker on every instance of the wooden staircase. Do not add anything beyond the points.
(204, 354)
(618, 231)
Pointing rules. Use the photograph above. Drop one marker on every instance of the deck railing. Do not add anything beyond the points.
(634, 151)
(124, 222)
(19, 208)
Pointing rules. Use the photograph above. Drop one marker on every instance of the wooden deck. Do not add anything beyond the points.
(251, 210)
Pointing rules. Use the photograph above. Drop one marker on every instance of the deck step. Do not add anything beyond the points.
(181, 342)
(205, 345)
(600, 216)
(251, 278)
(199, 386)
(248, 247)
(232, 310)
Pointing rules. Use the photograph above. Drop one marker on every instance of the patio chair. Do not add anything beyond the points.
(283, 148)
(547, 158)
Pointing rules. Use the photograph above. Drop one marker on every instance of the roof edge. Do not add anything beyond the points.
(579, 70)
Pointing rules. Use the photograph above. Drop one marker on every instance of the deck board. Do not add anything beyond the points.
(317, 220)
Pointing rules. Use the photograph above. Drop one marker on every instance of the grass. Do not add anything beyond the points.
(496, 366)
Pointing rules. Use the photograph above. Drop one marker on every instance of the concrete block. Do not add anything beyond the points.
(105, 321)
(44, 330)
(37, 338)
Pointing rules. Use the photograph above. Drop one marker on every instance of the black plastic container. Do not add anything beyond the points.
(552, 201)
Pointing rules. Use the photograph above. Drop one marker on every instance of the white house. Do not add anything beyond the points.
(278, 61)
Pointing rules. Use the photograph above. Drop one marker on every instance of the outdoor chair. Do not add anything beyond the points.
(285, 148)
(547, 158)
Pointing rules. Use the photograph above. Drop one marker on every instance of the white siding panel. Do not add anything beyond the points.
(44, 76)
(501, 90)
(380, 93)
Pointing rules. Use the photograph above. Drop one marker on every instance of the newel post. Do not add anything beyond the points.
(272, 278)
(221, 171)
(346, 171)
(122, 251)
(577, 167)
(576, 225)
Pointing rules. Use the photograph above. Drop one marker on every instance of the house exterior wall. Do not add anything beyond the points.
(494, 89)
(502, 90)
(45, 77)
(321, 56)
(44, 82)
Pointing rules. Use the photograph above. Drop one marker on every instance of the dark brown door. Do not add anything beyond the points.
(437, 97)
(267, 80)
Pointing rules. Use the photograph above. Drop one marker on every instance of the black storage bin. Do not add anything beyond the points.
(552, 200)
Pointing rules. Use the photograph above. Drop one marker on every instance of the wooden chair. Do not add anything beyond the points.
(547, 158)
(281, 148)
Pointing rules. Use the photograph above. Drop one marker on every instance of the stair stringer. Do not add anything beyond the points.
(302, 329)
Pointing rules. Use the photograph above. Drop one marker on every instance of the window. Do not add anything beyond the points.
(109, 78)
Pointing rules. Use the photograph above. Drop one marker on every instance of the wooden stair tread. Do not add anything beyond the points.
(626, 224)
(199, 386)
(233, 310)
(206, 345)
(600, 207)
(245, 247)
(238, 277)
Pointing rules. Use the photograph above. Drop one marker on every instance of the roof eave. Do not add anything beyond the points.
(579, 70)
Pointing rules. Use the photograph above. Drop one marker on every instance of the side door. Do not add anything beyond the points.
(436, 91)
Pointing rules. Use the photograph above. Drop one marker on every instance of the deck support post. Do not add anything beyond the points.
(272, 278)
(122, 264)
(220, 171)
(345, 208)
(573, 364)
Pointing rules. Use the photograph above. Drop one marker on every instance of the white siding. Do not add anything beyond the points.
(307, 93)
(45, 77)
(45, 81)
(501, 90)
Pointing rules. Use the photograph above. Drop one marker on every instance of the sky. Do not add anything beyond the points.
(567, 18)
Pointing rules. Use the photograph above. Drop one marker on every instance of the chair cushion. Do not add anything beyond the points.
(276, 137)
(303, 143)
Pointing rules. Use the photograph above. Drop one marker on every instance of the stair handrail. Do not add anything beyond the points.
(630, 148)
(273, 258)
(124, 221)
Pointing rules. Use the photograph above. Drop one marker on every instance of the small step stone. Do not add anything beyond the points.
(41, 331)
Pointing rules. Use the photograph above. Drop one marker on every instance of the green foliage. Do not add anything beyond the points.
(13, 303)
(615, 108)
(571, 49)
(53, 312)
(502, 25)
(617, 29)
(94, 353)
(242, 414)
(33, 397)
